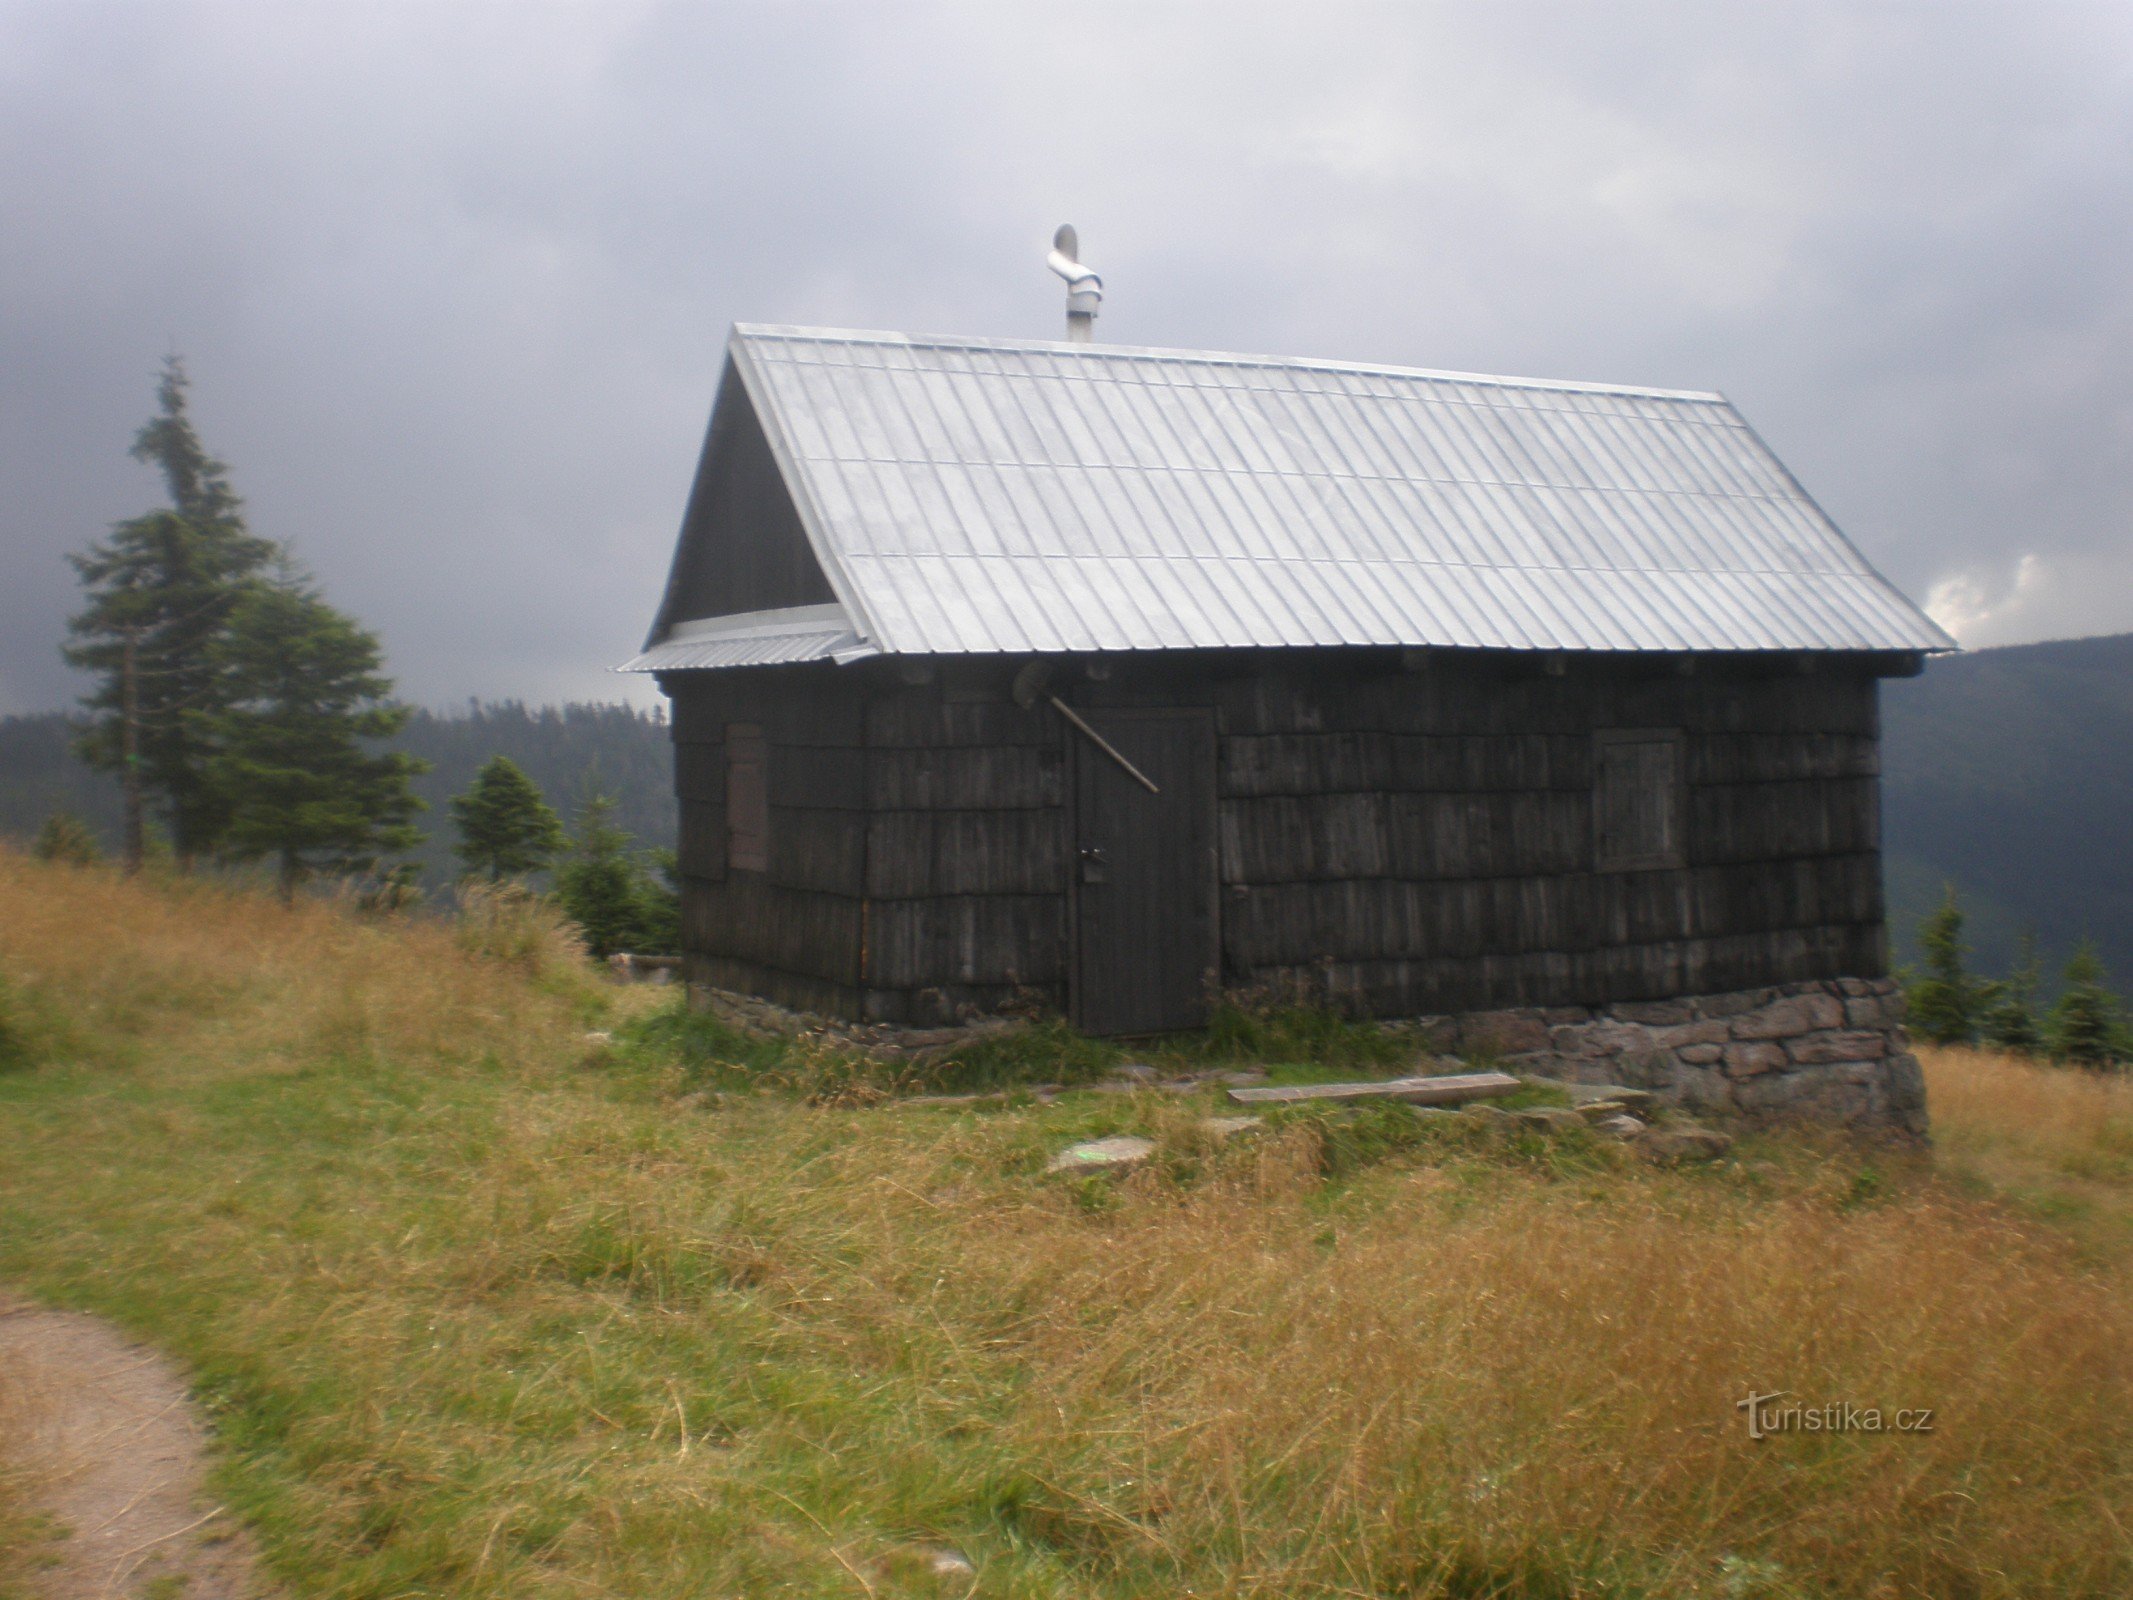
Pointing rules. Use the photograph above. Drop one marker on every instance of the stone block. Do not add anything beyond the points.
(1868, 1011)
(1506, 1033)
(1816, 1049)
(1737, 1003)
(1772, 1091)
(1906, 1083)
(1701, 1089)
(1855, 987)
(1710, 1031)
(1753, 1059)
(1790, 1017)
(1606, 1040)
(1651, 1013)
(1557, 1016)
(1700, 1055)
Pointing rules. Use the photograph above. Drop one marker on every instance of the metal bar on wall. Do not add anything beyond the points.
(1104, 745)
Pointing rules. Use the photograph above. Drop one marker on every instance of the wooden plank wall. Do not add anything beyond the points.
(966, 849)
(791, 934)
(918, 843)
(1392, 842)
(1402, 844)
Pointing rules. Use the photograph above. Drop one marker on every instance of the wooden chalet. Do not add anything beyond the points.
(1112, 678)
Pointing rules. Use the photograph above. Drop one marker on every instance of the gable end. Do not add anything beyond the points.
(742, 546)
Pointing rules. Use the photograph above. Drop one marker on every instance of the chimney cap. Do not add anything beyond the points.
(1085, 290)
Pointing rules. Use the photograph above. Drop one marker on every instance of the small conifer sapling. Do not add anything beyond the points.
(506, 829)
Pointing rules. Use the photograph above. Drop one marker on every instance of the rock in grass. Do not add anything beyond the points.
(1584, 1094)
(946, 1563)
(1681, 1142)
(926, 1560)
(1221, 1129)
(1114, 1154)
(1620, 1126)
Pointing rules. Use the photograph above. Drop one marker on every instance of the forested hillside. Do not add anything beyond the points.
(2008, 772)
(570, 751)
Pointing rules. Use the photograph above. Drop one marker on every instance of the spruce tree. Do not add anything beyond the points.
(605, 889)
(2088, 1025)
(598, 885)
(1947, 1004)
(160, 592)
(2011, 1022)
(304, 697)
(505, 828)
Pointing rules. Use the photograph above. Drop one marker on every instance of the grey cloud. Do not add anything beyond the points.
(453, 280)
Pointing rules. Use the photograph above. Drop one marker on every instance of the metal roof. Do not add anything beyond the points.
(979, 495)
(755, 639)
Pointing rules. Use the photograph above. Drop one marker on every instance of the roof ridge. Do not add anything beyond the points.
(763, 331)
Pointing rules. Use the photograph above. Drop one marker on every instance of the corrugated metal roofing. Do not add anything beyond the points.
(757, 639)
(969, 495)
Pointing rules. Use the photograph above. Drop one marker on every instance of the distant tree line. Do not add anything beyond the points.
(2086, 1026)
(246, 720)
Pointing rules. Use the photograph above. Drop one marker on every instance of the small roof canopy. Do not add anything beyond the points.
(962, 496)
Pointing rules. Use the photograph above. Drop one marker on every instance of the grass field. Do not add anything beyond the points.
(482, 1307)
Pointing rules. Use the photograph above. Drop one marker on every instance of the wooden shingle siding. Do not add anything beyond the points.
(916, 854)
(793, 930)
(1012, 777)
(1399, 841)
(924, 718)
(966, 848)
(999, 939)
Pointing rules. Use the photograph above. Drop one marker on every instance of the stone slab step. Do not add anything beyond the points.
(1446, 1090)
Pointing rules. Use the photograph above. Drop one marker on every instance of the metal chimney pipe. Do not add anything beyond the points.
(1085, 290)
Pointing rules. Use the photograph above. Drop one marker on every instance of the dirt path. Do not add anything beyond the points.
(115, 1447)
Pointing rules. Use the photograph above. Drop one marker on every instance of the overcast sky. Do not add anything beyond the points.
(453, 280)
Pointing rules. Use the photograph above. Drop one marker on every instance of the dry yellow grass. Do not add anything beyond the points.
(2058, 1139)
(484, 1317)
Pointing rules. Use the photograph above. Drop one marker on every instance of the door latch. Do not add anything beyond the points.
(1093, 863)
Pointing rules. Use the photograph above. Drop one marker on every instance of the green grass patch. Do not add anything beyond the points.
(479, 1307)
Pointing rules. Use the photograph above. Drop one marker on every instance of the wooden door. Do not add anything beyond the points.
(1145, 942)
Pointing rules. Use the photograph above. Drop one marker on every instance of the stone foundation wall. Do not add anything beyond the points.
(1833, 1050)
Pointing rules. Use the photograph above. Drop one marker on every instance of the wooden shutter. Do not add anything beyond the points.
(747, 799)
(1637, 800)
